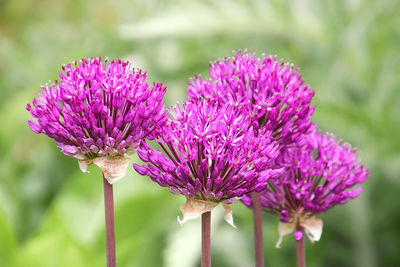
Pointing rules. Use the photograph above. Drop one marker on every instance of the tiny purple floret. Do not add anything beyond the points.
(298, 235)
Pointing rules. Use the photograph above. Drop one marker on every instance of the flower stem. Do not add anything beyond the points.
(206, 239)
(258, 233)
(110, 228)
(300, 251)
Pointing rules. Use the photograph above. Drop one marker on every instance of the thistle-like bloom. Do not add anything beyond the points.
(97, 112)
(272, 92)
(319, 175)
(212, 155)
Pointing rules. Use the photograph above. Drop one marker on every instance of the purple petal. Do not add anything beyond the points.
(35, 127)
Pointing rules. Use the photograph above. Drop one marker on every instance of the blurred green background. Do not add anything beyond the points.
(51, 214)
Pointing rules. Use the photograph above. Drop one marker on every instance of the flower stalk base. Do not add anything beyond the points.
(258, 233)
(300, 251)
(110, 226)
(206, 239)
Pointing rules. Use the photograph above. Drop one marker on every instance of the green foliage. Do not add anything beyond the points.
(51, 214)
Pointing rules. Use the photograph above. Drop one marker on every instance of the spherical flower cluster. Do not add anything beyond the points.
(212, 155)
(319, 175)
(272, 92)
(98, 109)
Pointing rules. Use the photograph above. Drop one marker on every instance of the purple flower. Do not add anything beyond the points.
(98, 110)
(212, 155)
(319, 174)
(272, 92)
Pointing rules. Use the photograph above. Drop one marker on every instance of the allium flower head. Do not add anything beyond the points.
(98, 111)
(212, 155)
(319, 175)
(272, 92)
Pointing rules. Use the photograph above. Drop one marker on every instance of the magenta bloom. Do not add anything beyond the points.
(272, 92)
(212, 154)
(98, 109)
(319, 174)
